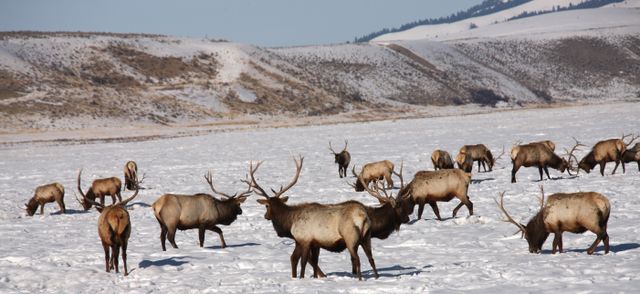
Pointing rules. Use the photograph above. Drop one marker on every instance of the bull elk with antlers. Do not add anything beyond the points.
(100, 188)
(45, 194)
(479, 153)
(565, 212)
(441, 160)
(313, 226)
(114, 229)
(342, 158)
(201, 211)
(632, 154)
(438, 186)
(606, 151)
(373, 172)
(541, 155)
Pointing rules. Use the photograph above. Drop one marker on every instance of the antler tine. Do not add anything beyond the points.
(376, 193)
(570, 154)
(253, 185)
(209, 178)
(295, 178)
(541, 198)
(509, 218)
(345, 145)
(331, 148)
(633, 138)
(400, 174)
(85, 196)
(353, 171)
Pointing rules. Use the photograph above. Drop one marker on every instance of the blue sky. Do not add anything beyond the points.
(258, 22)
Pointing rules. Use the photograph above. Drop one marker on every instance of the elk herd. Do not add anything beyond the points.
(351, 224)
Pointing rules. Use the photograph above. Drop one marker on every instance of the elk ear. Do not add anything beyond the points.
(263, 201)
(241, 199)
(284, 199)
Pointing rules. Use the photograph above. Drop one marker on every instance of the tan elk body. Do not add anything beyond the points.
(540, 155)
(373, 172)
(53, 192)
(632, 154)
(430, 187)
(566, 212)
(479, 153)
(130, 174)
(603, 152)
(100, 188)
(441, 160)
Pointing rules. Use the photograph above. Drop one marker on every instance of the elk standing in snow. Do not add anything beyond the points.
(114, 229)
(342, 159)
(130, 174)
(465, 162)
(438, 186)
(372, 172)
(605, 151)
(565, 212)
(314, 226)
(101, 188)
(441, 160)
(45, 194)
(632, 154)
(479, 153)
(201, 211)
(541, 155)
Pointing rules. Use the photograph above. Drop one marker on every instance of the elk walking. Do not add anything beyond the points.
(313, 226)
(114, 229)
(438, 186)
(45, 194)
(606, 151)
(372, 172)
(565, 212)
(540, 155)
(441, 160)
(479, 153)
(101, 188)
(342, 158)
(201, 211)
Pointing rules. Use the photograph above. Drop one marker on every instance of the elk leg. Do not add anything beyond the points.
(304, 256)
(101, 200)
(556, 238)
(514, 170)
(115, 252)
(546, 171)
(389, 181)
(295, 256)
(61, 204)
(355, 260)
(163, 236)
(593, 246)
(314, 259)
(107, 260)
(540, 171)
(124, 258)
(638, 165)
(434, 206)
(118, 193)
(421, 209)
(366, 246)
(469, 205)
(605, 240)
(623, 168)
(219, 231)
(172, 236)
(201, 236)
(602, 165)
(615, 167)
(478, 166)
(42, 209)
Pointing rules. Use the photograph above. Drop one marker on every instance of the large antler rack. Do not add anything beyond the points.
(570, 155)
(209, 178)
(633, 138)
(509, 218)
(253, 184)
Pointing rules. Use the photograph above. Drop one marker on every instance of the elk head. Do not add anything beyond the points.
(359, 184)
(534, 232)
(31, 206)
(277, 198)
(338, 154)
(235, 199)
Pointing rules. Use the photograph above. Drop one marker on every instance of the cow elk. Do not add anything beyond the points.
(479, 153)
(438, 186)
(101, 188)
(606, 151)
(114, 229)
(201, 211)
(540, 155)
(565, 212)
(313, 226)
(130, 175)
(45, 194)
(465, 162)
(373, 172)
(342, 158)
(632, 154)
(441, 160)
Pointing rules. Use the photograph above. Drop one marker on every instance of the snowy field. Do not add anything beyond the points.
(479, 253)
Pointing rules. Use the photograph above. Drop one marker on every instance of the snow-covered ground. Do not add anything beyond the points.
(62, 253)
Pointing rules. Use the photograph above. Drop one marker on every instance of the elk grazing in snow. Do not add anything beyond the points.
(114, 229)
(373, 172)
(130, 174)
(45, 194)
(606, 151)
(479, 153)
(101, 188)
(201, 211)
(438, 186)
(342, 158)
(632, 154)
(541, 155)
(565, 212)
(441, 160)
(334, 227)
(465, 162)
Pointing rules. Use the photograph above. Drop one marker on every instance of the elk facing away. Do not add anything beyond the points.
(45, 194)
(342, 158)
(101, 188)
(130, 174)
(201, 211)
(438, 186)
(114, 229)
(479, 153)
(565, 212)
(541, 155)
(441, 160)
(606, 151)
(372, 172)
(314, 226)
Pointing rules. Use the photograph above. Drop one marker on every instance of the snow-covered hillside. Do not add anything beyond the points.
(55, 253)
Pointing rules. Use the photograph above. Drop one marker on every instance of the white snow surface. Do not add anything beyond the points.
(621, 18)
(54, 253)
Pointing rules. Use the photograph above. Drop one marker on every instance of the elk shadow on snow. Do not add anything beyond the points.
(391, 271)
(71, 211)
(600, 249)
(140, 203)
(233, 245)
(171, 261)
(478, 181)
(556, 179)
